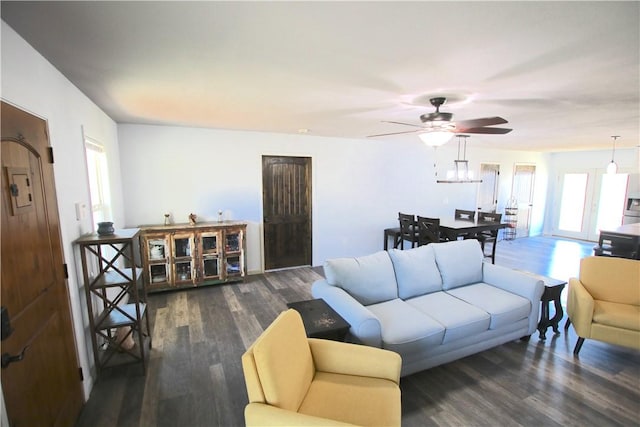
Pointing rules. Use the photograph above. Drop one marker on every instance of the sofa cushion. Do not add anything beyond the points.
(625, 316)
(416, 271)
(459, 318)
(503, 307)
(369, 279)
(405, 328)
(459, 262)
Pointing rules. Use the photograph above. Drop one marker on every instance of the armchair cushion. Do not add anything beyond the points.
(326, 398)
(283, 361)
(623, 316)
(369, 279)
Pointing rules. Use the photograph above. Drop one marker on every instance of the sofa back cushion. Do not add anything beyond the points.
(416, 271)
(459, 262)
(369, 279)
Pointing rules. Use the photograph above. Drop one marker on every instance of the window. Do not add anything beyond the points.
(98, 182)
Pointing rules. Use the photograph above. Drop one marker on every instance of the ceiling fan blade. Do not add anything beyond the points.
(489, 131)
(393, 133)
(476, 123)
(402, 123)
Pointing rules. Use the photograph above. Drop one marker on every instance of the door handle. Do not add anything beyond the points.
(8, 359)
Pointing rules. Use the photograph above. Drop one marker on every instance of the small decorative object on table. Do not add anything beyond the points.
(105, 228)
(220, 216)
(167, 219)
(192, 219)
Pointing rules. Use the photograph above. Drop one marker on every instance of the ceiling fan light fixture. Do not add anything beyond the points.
(435, 138)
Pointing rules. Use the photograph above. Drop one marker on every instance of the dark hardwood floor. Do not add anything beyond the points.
(194, 376)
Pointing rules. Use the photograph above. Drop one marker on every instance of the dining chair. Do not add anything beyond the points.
(408, 230)
(465, 215)
(489, 236)
(428, 230)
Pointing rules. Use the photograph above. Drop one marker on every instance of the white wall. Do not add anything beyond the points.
(33, 84)
(358, 185)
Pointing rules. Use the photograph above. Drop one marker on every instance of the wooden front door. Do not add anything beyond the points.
(286, 200)
(44, 388)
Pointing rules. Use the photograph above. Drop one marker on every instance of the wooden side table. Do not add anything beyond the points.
(551, 293)
(320, 320)
(552, 290)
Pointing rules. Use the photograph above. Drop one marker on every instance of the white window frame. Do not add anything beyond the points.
(99, 188)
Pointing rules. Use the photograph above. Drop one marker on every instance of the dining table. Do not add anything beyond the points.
(450, 229)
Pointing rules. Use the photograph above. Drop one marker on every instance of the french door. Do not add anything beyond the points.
(588, 201)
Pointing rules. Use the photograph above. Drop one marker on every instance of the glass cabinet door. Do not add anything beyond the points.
(157, 254)
(210, 243)
(210, 267)
(233, 242)
(182, 249)
(233, 265)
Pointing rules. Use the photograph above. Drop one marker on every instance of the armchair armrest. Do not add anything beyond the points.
(354, 359)
(365, 326)
(261, 414)
(580, 307)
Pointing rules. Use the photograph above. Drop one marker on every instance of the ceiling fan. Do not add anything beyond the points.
(438, 127)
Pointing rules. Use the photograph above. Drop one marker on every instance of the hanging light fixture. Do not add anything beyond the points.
(612, 168)
(461, 172)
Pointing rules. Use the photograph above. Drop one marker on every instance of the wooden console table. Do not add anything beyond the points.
(188, 255)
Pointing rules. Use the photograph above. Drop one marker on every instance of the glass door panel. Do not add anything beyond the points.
(572, 203)
(183, 271)
(233, 242)
(210, 243)
(158, 273)
(233, 266)
(211, 267)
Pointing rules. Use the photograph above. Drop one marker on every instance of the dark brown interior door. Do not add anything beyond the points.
(44, 388)
(286, 199)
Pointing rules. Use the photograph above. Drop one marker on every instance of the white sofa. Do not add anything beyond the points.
(432, 304)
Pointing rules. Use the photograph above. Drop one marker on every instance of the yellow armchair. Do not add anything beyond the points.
(604, 302)
(295, 380)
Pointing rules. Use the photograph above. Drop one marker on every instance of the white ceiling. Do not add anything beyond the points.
(564, 74)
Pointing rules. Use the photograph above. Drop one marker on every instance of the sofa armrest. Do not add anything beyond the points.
(354, 359)
(261, 414)
(580, 307)
(365, 326)
(514, 281)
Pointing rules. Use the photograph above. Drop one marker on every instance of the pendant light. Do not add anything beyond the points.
(461, 172)
(612, 168)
